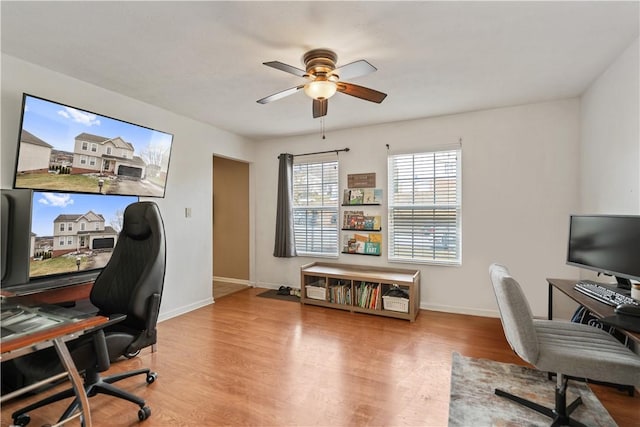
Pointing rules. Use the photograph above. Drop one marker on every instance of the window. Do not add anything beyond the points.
(109, 150)
(70, 241)
(92, 161)
(83, 160)
(94, 147)
(424, 207)
(70, 226)
(97, 226)
(85, 145)
(82, 226)
(315, 207)
(61, 241)
(62, 226)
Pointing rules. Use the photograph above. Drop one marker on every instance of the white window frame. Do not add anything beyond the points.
(83, 160)
(324, 209)
(92, 161)
(435, 235)
(94, 147)
(84, 146)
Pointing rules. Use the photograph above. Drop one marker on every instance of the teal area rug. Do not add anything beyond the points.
(473, 402)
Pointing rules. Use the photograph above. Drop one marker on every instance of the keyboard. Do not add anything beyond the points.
(602, 293)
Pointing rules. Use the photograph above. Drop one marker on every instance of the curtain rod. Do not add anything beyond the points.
(346, 149)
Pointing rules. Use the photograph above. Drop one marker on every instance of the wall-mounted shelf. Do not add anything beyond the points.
(359, 253)
(362, 197)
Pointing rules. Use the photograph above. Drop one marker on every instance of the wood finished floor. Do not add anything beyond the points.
(221, 289)
(250, 361)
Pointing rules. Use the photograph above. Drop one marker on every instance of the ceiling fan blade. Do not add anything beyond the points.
(320, 107)
(354, 69)
(361, 92)
(279, 95)
(286, 68)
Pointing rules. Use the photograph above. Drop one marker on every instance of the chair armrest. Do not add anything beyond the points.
(149, 335)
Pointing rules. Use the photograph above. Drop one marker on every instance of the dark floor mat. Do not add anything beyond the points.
(273, 293)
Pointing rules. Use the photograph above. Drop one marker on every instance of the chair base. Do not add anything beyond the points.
(560, 414)
(93, 384)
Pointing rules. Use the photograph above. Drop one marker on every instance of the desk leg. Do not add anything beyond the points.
(550, 303)
(76, 380)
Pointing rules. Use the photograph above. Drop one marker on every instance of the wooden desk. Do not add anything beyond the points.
(56, 336)
(74, 292)
(596, 307)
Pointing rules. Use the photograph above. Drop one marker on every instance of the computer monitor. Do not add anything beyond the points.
(608, 244)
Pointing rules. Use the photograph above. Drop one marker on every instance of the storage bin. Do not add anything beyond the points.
(316, 292)
(395, 304)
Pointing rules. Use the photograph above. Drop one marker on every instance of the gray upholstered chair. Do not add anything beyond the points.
(566, 348)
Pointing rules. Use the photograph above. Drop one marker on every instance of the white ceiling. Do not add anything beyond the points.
(204, 59)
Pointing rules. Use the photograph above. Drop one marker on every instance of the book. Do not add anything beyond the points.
(356, 196)
(372, 196)
(369, 244)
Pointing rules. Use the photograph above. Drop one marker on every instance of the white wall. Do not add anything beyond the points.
(610, 148)
(520, 182)
(189, 271)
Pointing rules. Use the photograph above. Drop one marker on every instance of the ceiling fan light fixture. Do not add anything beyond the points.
(320, 89)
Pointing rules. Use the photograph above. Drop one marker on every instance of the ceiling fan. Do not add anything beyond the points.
(324, 80)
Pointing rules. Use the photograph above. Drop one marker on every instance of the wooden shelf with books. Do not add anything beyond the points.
(362, 244)
(362, 197)
(390, 292)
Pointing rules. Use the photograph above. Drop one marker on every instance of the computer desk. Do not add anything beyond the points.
(596, 307)
(56, 336)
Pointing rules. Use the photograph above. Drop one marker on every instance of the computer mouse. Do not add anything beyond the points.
(628, 310)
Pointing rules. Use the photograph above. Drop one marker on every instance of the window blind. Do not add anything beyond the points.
(424, 207)
(315, 207)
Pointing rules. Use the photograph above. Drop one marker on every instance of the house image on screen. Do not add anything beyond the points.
(83, 232)
(35, 154)
(115, 156)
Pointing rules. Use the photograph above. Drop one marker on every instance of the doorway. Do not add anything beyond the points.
(230, 226)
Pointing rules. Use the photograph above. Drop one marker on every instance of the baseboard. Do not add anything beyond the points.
(267, 285)
(460, 310)
(232, 280)
(184, 309)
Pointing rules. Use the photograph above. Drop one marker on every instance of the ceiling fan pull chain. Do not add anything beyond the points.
(322, 127)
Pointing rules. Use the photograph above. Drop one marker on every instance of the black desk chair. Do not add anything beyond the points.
(130, 284)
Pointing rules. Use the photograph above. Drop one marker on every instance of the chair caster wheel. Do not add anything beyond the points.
(151, 377)
(21, 420)
(144, 413)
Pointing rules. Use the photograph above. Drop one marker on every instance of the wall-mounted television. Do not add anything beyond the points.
(608, 244)
(58, 238)
(67, 149)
